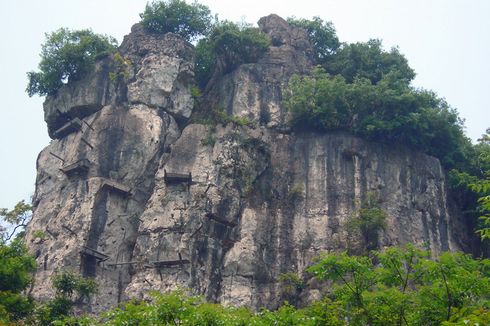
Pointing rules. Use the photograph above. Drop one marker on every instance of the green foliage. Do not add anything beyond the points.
(67, 284)
(176, 16)
(471, 182)
(16, 219)
(368, 61)
(369, 220)
(291, 285)
(482, 186)
(228, 46)
(400, 286)
(69, 287)
(16, 268)
(210, 138)
(66, 56)
(390, 111)
(296, 192)
(39, 234)
(120, 68)
(322, 36)
(405, 286)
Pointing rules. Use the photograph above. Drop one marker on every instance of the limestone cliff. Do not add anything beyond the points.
(132, 192)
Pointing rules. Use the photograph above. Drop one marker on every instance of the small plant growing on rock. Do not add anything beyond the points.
(369, 220)
(120, 68)
(296, 192)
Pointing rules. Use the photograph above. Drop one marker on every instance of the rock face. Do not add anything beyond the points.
(135, 196)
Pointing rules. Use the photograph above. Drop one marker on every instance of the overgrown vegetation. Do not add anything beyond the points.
(406, 287)
(176, 16)
(388, 111)
(120, 68)
(227, 46)
(398, 286)
(322, 36)
(67, 56)
(472, 184)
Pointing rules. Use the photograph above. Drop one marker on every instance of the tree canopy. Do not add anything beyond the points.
(176, 16)
(322, 36)
(67, 55)
(387, 111)
(368, 60)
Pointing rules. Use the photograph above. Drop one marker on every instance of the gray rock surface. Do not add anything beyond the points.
(221, 210)
(80, 98)
(255, 91)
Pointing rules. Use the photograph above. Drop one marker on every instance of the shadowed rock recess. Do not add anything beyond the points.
(133, 193)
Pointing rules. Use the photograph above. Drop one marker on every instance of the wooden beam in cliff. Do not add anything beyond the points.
(93, 253)
(173, 178)
(78, 167)
(116, 186)
(68, 128)
(168, 263)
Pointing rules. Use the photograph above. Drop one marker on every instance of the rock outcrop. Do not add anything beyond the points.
(134, 195)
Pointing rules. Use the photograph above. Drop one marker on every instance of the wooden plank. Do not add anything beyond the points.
(80, 166)
(59, 158)
(123, 263)
(94, 253)
(113, 185)
(169, 263)
(68, 128)
(177, 177)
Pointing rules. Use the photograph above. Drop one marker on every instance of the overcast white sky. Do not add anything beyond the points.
(447, 42)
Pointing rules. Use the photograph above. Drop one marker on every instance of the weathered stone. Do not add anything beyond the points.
(164, 82)
(255, 90)
(78, 99)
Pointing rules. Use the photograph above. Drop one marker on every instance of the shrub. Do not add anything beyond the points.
(368, 220)
(322, 36)
(228, 46)
(176, 16)
(66, 56)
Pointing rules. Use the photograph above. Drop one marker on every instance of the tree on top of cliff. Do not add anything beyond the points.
(389, 111)
(368, 60)
(66, 56)
(322, 36)
(228, 46)
(176, 16)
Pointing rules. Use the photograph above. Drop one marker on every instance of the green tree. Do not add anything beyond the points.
(16, 268)
(228, 46)
(176, 16)
(352, 277)
(70, 288)
(67, 56)
(404, 286)
(16, 219)
(322, 36)
(368, 60)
